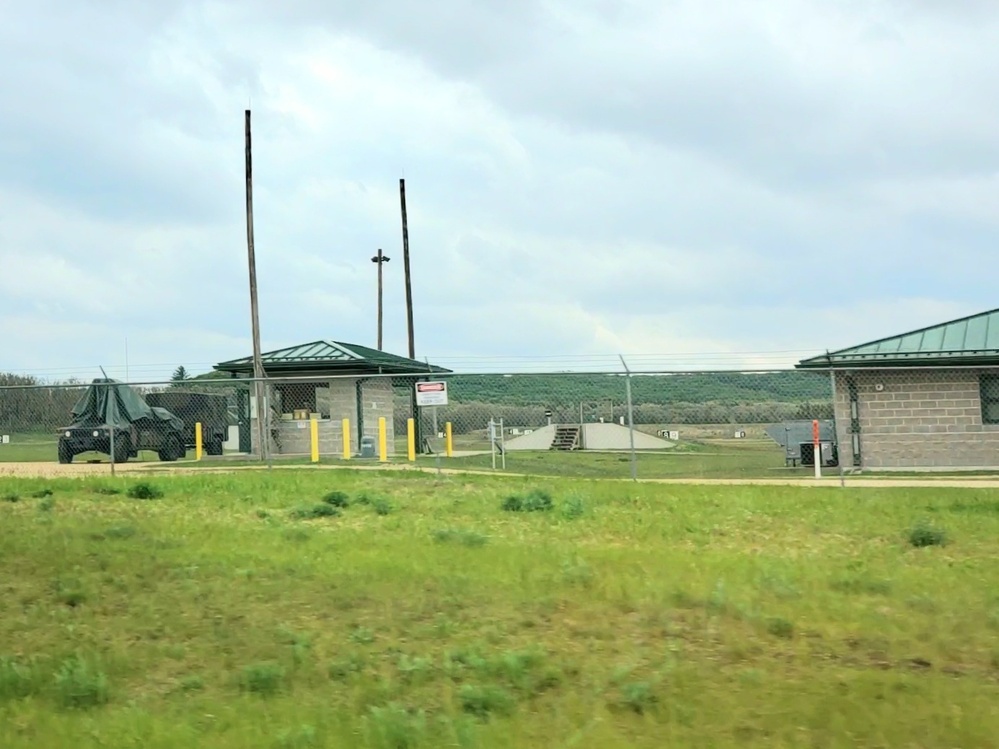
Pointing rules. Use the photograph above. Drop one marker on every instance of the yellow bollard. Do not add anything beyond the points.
(382, 440)
(198, 441)
(448, 443)
(411, 437)
(314, 429)
(346, 439)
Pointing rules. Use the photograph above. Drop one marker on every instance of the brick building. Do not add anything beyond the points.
(361, 387)
(928, 399)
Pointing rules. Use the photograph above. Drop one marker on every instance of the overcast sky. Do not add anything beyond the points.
(678, 181)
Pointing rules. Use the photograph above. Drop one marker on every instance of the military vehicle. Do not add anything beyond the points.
(211, 410)
(112, 409)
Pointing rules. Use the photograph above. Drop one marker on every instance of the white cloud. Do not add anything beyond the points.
(663, 180)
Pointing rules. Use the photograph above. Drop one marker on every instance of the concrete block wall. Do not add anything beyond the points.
(336, 402)
(295, 438)
(378, 400)
(916, 419)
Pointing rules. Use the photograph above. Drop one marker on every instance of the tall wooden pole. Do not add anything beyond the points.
(405, 267)
(379, 259)
(258, 368)
(409, 309)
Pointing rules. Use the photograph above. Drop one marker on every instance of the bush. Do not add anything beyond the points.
(79, 686)
(638, 696)
(394, 727)
(513, 503)
(18, 679)
(144, 490)
(573, 508)
(924, 535)
(483, 701)
(313, 512)
(264, 679)
(337, 499)
(12, 498)
(780, 628)
(537, 500)
(42, 493)
(382, 506)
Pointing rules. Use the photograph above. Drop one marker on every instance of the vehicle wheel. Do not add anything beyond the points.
(65, 453)
(215, 447)
(172, 450)
(122, 449)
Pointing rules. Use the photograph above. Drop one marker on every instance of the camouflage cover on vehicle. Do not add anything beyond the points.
(114, 403)
(215, 406)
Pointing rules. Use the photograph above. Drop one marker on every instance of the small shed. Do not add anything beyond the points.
(927, 399)
(329, 381)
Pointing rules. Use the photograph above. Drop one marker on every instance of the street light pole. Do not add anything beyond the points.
(379, 259)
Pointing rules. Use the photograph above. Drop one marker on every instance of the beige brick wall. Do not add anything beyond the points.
(335, 403)
(916, 419)
(377, 396)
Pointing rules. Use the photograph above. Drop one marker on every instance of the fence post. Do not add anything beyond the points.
(346, 439)
(382, 440)
(492, 440)
(631, 419)
(199, 441)
(314, 438)
(816, 449)
(448, 443)
(839, 457)
(502, 443)
(411, 438)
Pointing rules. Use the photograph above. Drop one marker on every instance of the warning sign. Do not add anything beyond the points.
(431, 394)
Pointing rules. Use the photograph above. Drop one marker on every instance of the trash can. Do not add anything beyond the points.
(367, 447)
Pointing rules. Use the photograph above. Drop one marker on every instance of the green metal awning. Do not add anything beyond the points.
(970, 340)
(329, 357)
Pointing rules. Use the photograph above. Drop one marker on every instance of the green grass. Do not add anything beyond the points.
(626, 616)
(693, 460)
(43, 448)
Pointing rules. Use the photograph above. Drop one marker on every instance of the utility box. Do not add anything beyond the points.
(368, 447)
(828, 454)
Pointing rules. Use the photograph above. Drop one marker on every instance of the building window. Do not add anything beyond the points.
(989, 386)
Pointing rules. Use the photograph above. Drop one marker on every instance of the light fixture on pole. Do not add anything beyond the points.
(379, 259)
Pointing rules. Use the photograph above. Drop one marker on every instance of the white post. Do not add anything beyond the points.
(492, 440)
(502, 444)
(816, 449)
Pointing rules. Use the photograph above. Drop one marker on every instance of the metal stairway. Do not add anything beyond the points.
(566, 438)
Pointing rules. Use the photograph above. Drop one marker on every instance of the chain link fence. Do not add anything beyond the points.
(676, 425)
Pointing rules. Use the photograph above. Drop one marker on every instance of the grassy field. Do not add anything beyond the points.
(243, 610)
(735, 459)
(38, 448)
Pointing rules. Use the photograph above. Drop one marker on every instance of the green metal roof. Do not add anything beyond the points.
(969, 340)
(330, 357)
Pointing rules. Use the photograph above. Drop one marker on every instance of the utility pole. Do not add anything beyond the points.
(405, 266)
(379, 259)
(409, 307)
(258, 367)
